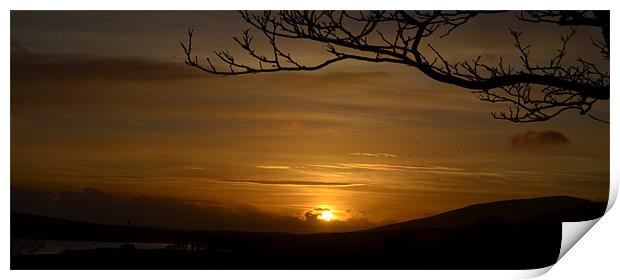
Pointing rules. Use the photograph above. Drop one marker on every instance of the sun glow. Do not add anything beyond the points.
(326, 215)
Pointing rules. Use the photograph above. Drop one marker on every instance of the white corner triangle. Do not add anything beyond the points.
(572, 232)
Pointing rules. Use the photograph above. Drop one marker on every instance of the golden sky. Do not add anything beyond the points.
(102, 101)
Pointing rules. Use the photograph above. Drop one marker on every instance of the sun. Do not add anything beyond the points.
(326, 215)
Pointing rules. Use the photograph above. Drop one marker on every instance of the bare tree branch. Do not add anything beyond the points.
(533, 92)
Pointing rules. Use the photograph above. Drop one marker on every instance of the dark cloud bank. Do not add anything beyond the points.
(539, 139)
(28, 66)
(91, 205)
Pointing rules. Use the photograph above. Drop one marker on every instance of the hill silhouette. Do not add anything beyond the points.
(514, 234)
(552, 208)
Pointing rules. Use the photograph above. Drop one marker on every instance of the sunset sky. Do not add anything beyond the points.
(107, 122)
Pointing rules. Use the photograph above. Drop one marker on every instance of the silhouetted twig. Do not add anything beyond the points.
(533, 92)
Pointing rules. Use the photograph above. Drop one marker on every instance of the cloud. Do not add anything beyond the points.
(122, 176)
(290, 183)
(539, 139)
(386, 167)
(92, 205)
(273, 166)
(196, 168)
(312, 217)
(332, 166)
(30, 66)
(341, 77)
(27, 65)
(385, 155)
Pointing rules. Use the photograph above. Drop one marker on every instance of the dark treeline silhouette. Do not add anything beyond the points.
(94, 206)
(514, 234)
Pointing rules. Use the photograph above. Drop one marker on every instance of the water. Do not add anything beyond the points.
(58, 246)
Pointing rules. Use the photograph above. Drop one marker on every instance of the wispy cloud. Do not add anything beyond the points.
(381, 155)
(381, 166)
(291, 183)
(451, 171)
(123, 176)
(195, 168)
(145, 177)
(273, 166)
(333, 166)
(27, 66)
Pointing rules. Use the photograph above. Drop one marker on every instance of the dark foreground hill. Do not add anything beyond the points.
(514, 234)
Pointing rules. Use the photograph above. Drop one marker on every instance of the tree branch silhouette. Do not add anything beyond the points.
(533, 92)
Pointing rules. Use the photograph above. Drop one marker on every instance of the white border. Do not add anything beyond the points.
(596, 256)
(302, 5)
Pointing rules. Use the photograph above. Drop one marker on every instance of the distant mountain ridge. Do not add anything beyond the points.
(513, 234)
(551, 208)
